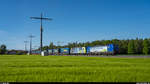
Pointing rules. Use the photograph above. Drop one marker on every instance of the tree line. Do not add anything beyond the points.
(128, 46)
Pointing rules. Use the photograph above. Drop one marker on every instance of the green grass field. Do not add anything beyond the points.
(24, 68)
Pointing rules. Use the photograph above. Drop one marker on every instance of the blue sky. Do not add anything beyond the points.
(73, 20)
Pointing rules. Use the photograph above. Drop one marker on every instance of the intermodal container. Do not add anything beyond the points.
(55, 51)
(50, 51)
(64, 50)
(78, 50)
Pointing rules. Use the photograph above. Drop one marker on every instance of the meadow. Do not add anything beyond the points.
(34, 68)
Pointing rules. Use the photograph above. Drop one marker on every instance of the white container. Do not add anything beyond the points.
(28, 53)
(43, 53)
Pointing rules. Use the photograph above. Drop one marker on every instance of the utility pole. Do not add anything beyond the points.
(31, 36)
(41, 29)
(25, 45)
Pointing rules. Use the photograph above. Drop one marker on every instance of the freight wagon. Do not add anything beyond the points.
(78, 51)
(50, 52)
(64, 51)
(56, 51)
(35, 52)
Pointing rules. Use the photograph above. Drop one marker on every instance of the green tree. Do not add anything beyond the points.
(131, 47)
(3, 49)
(146, 46)
(115, 41)
(123, 46)
(138, 46)
(45, 48)
(51, 45)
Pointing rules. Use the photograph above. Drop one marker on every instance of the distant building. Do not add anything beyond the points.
(16, 52)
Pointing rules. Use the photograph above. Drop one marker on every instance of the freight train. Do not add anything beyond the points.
(109, 49)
